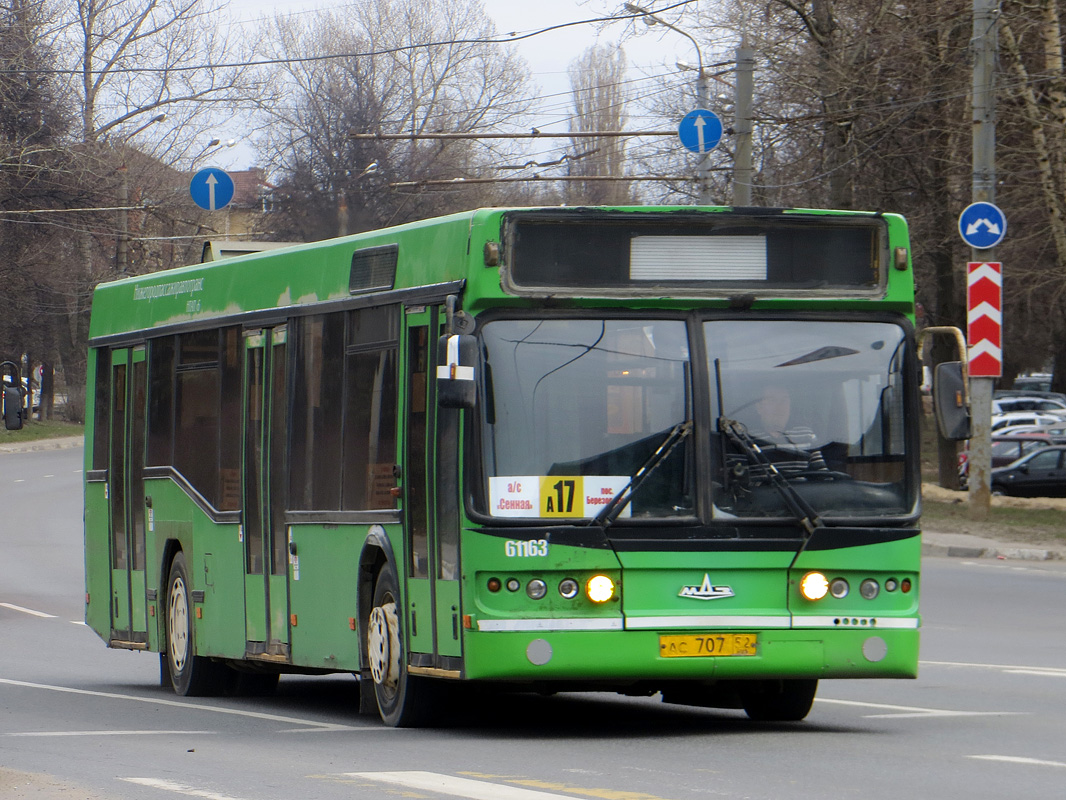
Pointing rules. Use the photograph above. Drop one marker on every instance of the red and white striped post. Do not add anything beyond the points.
(984, 318)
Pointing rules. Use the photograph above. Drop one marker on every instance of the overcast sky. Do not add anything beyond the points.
(652, 52)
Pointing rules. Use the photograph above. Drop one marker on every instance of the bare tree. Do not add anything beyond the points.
(597, 80)
(384, 66)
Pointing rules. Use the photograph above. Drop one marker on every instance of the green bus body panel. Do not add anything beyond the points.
(449, 619)
(634, 655)
(323, 595)
(420, 615)
(653, 582)
(281, 279)
(97, 559)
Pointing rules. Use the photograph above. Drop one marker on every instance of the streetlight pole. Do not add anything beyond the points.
(122, 249)
(744, 91)
(743, 170)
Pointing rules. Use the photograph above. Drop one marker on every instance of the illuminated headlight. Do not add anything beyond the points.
(568, 588)
(599, 588)
(869, 588)
(536, 589)
(839, 588)
(814, 586)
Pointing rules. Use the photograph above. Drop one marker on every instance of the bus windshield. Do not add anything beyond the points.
(574, 407)
(819, 403)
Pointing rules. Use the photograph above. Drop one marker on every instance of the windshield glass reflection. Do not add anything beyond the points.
(575, 407)
(823, 404)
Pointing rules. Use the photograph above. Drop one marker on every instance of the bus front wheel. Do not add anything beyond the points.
(400, 697)
(190, 675)
(779, 700)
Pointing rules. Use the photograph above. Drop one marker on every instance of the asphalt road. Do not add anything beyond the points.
(986, 718)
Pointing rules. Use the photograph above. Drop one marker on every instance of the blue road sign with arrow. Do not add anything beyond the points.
(982, 225)
(700, 130)
(211, 188)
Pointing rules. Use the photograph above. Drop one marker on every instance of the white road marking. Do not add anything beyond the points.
(1036, 762)
(13, 607)
(1043, 673)
(180, 788)
(903, 712)
(110, 733)
(457, 787)
(1009, 668)
(198, 707)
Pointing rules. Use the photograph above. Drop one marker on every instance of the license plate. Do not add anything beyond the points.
(695, 645)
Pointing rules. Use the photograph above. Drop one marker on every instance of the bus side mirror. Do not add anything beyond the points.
(456, 358)
(949, 401)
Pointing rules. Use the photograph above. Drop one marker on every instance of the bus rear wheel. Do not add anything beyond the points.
(779, 700)
(190, 675)
(400, 697)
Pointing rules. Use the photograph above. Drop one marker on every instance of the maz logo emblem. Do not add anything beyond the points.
(706, 590)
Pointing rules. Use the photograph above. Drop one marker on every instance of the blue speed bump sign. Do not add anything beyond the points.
(982, 225)
(211, 188)
(700, 130)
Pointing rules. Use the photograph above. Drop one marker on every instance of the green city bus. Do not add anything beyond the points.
(638, 449)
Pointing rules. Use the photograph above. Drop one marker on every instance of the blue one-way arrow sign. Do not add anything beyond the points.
(700, 130)
(982, 225)
(211, 188)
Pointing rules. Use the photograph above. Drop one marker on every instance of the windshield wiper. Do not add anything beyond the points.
(609, 513)
(802, 510)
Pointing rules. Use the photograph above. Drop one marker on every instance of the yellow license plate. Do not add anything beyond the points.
(694, 645)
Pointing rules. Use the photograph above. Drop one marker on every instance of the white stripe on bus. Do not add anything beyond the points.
(571, 624)
(730, 621)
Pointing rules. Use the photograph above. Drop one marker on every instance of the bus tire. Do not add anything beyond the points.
(190, 675)
(400, 697)
(12, 408)
(779, 700)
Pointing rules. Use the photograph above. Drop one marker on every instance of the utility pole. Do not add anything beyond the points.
(122, 253)
(744, 90)
(985, 45)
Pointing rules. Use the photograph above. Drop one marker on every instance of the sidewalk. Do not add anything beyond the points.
(957, 545)
(966, 545)
(60, 443)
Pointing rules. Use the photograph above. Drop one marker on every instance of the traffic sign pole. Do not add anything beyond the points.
(977, 226)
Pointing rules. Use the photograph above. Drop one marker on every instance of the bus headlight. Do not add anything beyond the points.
(599, 588)
(536, 589)
(814, 586)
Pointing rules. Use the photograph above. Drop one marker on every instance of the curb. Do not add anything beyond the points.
(1012, 553)
(60, 443)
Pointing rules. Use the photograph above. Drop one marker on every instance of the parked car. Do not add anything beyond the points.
(1008, 449)
(1015, 418)
(1041, 473)
(1004, 405)
(1001, 393)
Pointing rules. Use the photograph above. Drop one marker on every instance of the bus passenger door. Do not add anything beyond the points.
(125, 486)
(263, 529)
(430, 486)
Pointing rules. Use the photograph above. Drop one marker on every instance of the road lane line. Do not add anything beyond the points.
(1006, 667)
(1043, 673)
(14, 607)
(903, 712)
(180, 788)
(1036, 762)
(197, 707)
(457, 787)
(110, 733)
